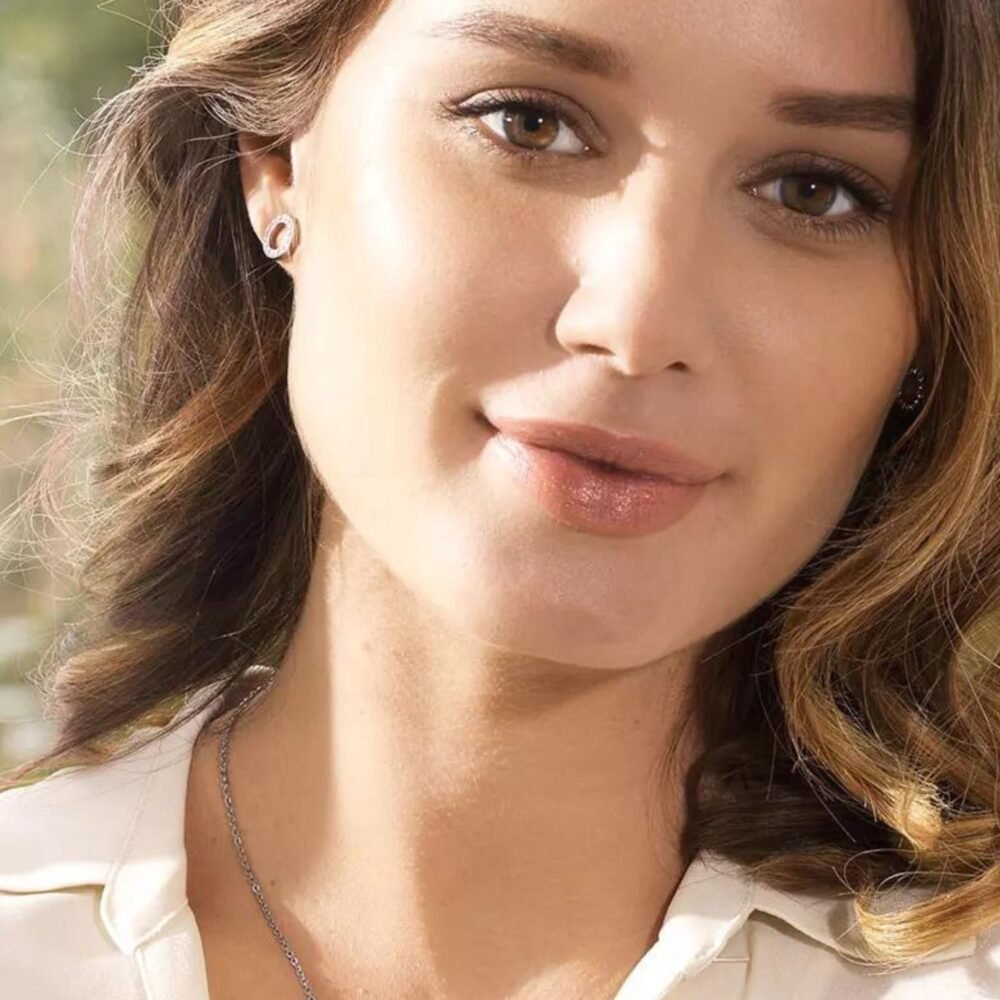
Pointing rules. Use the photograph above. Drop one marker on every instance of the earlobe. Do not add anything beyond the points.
(280, 236)
(266, 177)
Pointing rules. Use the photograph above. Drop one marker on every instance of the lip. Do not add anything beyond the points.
(630, 452)
(584, 494)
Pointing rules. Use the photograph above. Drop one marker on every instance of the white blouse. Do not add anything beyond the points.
(93, 906)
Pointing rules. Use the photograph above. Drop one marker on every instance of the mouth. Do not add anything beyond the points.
(610, 452)
(589, 494)
(602, 466)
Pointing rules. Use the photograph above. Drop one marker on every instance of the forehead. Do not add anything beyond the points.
(683, 44)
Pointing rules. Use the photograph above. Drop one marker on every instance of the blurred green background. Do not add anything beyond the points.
(58, 59)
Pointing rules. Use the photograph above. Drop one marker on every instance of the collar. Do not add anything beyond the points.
(120, 825)
(827, 918)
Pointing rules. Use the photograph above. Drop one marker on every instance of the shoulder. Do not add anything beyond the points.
(72, 827)
(53, 947)
(92, 866)
(59, 838)
(797, 939)
(65, 829)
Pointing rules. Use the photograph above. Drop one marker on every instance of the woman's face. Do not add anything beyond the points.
(682, 281)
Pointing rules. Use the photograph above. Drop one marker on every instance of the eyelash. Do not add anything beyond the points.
(875, 206)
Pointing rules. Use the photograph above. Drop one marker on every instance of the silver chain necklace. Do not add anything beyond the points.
(255, 888)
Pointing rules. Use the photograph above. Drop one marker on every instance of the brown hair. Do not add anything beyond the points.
(849, 719)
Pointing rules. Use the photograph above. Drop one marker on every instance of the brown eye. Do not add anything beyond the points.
(811, 196)
(808, 194)
(821, 197)
(530, 127)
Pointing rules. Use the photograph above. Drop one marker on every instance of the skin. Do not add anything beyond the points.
(452, 790)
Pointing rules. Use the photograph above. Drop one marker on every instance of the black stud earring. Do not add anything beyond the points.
(910, 396)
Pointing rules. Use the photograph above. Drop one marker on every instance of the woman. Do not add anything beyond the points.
(564, 437)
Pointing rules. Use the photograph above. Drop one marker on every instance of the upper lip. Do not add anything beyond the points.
(632, 452)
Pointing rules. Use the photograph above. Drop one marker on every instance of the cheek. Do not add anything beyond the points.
(840, 359)
(387, 338)
(412, 289)
(826, 372)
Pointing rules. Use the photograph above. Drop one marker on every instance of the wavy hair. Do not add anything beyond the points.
(850, 719)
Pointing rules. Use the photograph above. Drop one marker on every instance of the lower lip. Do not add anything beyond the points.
(588, 497)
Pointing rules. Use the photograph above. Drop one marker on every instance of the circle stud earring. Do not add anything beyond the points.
(910, 396)
(285, 238)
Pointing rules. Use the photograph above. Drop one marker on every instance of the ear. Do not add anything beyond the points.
(267, 179)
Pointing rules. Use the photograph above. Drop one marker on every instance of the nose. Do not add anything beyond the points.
(641, 298)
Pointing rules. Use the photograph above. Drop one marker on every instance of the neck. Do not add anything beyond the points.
(482, 818)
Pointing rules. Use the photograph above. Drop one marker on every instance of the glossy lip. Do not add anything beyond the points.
(592, 497)
(628, 452)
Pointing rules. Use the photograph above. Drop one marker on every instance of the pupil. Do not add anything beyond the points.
(810, 190)
(531, 123)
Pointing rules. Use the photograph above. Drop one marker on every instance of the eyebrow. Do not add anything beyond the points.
(537, 39)
(559, 46)
(836, 109)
